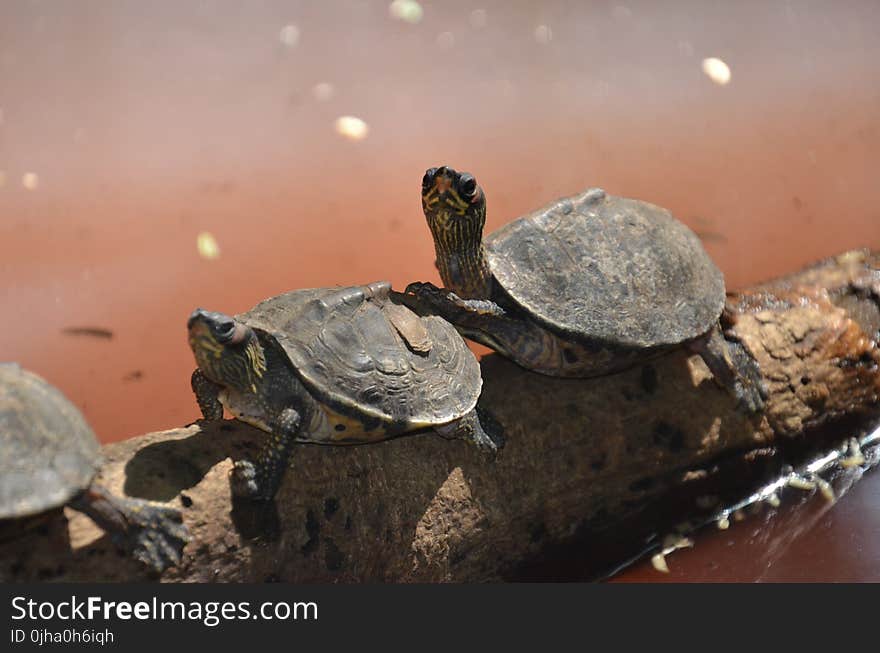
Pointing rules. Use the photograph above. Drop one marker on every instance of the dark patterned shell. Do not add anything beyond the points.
(48, 453)
(609, 269)
(349, 354)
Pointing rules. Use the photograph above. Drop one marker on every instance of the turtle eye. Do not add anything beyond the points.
(467, 184)
(428, 179)
(225, 330)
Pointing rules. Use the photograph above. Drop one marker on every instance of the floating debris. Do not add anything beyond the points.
(717, 70)
(289, 35)
(543, 34)
(352, 128)
(825, 489)
(323, 91)
(801, 483)
(723, 524)
(854, 456)
(207, 246)
(92, 332)
(658, 561)
(773, 500)
(478, 18)
(408, 11)
(30, 181)
(446, 40)
(134, 375)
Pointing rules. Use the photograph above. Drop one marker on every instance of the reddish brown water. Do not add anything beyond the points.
(126, 129)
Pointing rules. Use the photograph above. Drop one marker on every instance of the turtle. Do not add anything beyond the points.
(334, 366)
(586, 286)
(49, 457)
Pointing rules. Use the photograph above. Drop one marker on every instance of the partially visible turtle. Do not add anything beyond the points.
(332, 366)
(588, 285)
(48, 459)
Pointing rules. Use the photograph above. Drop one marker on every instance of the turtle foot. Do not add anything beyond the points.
(244, 481)
(155, 534)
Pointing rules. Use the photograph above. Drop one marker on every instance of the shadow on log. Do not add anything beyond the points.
(422, 508)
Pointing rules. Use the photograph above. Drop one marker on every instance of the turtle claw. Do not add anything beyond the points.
(154, 534)
(243, 480)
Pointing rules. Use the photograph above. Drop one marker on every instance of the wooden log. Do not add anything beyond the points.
(425, 509)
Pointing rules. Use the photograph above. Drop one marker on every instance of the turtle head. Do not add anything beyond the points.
(455, 207)
(226, 351)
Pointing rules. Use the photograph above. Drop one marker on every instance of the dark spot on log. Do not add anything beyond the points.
(627, 394)
(537, 532)
(805, 380)
(226, 427)
(666, 435)
(598, 463)
(389, 535)
(313, 529)
(331, 505)
(339, 427)
(186, 501)
(42, 530)
(572, 410)
(649, 379)
(16, 567)
(457, 556)
(348, 523)
(203, 550)
(642, 484)
(45, 573)
(569, 356)
(333, 557)
(272, 578)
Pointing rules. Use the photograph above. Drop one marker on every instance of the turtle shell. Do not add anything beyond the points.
(343, 345)
(48, 453)
(609, 269)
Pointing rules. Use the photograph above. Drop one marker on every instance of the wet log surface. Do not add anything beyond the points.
(579, 452)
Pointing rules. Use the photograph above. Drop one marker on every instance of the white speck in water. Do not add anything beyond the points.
(479, 18)
(716, 70)
(30, 180)
(409, 11)
(352, 128)
(543, 34)
(621, 12)
(323, 91)
(289, 35)
(686, 48)
(207, 246)
(446, 40)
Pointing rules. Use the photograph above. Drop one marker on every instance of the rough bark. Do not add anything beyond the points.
(425, 509)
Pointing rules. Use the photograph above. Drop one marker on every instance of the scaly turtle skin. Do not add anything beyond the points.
(332, 366)
(588, 285)
(49, 457)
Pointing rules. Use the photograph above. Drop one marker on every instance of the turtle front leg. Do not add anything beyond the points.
(152, 533)
(734, 369)
(260, 480)
(445, 302)
(479, 427)
(207, 395)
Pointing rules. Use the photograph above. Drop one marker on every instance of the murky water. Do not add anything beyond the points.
(128, 129)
